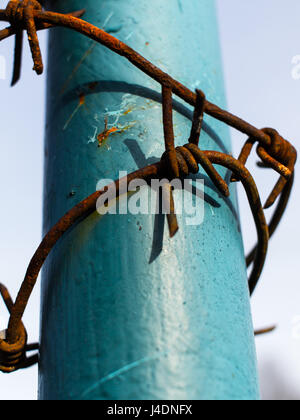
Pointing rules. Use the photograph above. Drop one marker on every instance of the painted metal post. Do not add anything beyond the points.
(128, 313)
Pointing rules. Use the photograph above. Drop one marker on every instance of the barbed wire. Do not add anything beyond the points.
(177, 162)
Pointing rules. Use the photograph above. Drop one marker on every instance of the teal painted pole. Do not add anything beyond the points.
(128, 313)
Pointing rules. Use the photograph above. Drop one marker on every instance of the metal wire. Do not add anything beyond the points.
(177, 162)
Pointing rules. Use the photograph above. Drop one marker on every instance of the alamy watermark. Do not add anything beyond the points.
(139, 197)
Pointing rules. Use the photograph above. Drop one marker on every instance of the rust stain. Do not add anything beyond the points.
(128, 111)
(102, 137)
(81, 99)
(107, 132)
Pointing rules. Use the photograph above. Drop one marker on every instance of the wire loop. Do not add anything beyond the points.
(13, 354)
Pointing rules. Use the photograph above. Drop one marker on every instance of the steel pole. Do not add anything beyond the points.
(128, 313)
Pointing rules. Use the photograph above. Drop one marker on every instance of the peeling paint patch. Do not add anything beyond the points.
(127, 105)
(107, 132)
(113, 119)
(93, 138)
(102, 137)
(128, 111)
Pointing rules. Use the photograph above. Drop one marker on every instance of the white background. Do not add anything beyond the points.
(259, 39)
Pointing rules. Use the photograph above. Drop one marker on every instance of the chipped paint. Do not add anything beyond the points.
(107, 132)
(112, 118)
(128, 111)
(93, 139)
(128, 103)
(102, 137)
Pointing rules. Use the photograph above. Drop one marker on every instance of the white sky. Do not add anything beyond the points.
(259, 39)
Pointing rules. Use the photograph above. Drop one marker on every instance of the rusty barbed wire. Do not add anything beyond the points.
(15, 354)
(177, 162)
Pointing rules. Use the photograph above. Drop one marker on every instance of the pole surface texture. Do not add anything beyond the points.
(127, 312)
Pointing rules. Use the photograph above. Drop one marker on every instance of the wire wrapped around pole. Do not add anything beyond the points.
(177, 162)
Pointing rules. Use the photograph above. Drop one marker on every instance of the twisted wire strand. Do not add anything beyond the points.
(87, 207)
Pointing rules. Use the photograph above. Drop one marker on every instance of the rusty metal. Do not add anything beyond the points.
(87, 206)
(209, 169)
(168, 203)
(277, 154)
(177, 162)
(265, 331)
(13, 355)
(21, 14)
(197, 118)
(24, 12)
(170, 154)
